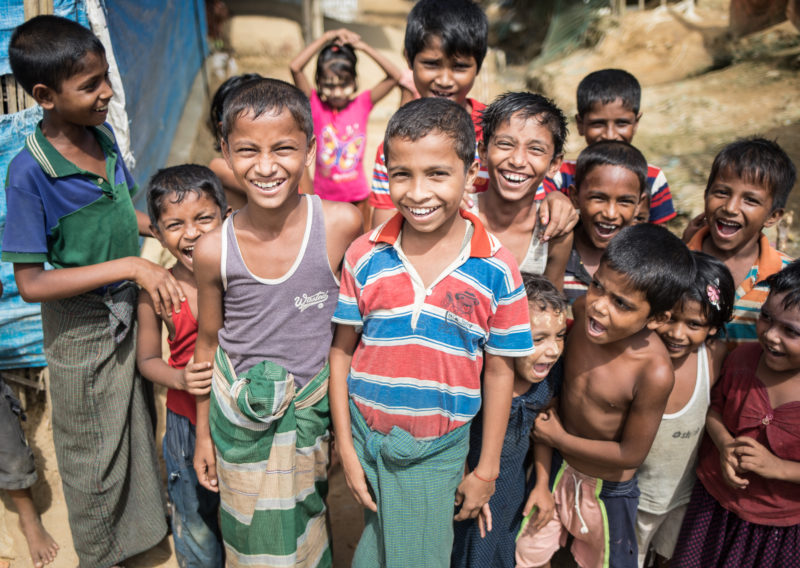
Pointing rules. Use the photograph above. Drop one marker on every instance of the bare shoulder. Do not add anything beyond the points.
(653, 363)
(207, 254)
(343, 222)
(717, 352)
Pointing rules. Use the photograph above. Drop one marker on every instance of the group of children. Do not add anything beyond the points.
(470, 425)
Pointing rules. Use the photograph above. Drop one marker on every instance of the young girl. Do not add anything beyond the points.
(745, 510)
(667, 475)
(340, 118)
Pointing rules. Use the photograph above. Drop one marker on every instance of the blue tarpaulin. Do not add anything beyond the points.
(159, 46)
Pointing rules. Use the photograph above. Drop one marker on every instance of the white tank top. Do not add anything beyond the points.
(667, 475)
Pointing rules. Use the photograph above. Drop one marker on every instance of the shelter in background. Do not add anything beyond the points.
(155, 49)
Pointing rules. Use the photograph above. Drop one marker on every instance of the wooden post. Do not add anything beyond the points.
(37, 8)
(312, 20)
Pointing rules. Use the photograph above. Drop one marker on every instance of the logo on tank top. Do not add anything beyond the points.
(305, 301)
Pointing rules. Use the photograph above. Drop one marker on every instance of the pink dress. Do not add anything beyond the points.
(341, 141)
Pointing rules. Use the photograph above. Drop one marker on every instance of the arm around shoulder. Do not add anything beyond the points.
(343, 225)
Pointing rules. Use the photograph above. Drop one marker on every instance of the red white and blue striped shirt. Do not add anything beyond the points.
(661, 207)
(418, 363)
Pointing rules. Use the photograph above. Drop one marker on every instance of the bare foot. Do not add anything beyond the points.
(41, 545)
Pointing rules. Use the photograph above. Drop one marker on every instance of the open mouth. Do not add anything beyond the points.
(594, 327)
(727, 228)
(673, 347)
(773, 352)
(606, 230)
(267, 186)
(514, 178)
(421, 212)
(442, 94)
(188, 252)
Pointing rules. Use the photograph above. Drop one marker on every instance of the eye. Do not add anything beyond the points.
(621, 304)
(764, 316)
(398, 175)
(504, 144)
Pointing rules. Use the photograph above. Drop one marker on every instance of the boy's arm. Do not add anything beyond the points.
(207, 254)
(474, 490)
(195, 378)
(558, 215)
(343, 224)
(393, 74)
(638, 432)
(344, 343)
(540, 496)
(558, 251)
(36, 284)
(143, 224)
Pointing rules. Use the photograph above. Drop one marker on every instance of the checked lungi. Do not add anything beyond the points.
(272, 458)
(414, 483)
(102, 426)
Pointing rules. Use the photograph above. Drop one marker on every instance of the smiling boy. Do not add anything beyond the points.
(425, 298)
(609, 182)
(747, 189)
(612, 399)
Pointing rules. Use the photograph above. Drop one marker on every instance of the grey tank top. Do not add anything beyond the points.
(285, 320)
(535, 260)
(666, 477)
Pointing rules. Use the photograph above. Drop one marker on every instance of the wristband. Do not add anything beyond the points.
(475, 473)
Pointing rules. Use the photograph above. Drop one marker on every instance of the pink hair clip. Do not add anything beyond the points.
(712, 291)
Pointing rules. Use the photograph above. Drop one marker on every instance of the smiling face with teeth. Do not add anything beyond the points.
(427, 179)
(686, 329)
(438, 75)
(606, 200)
(181, 224)
(736, 211)
(82, 98)
(778, 331)
(518, 156)
(268, 155)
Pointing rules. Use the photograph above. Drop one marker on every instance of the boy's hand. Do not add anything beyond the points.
(557, 214)
(547, 428)
(485, 520)
(754, 456)
(197, 378)
(205, 462)
(730, 466)
(357, 480)
(345, 36)
(472, 494)
(542, 499)
(694, 225)
(157, 281)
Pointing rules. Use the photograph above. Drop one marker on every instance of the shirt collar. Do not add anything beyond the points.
(481, 245)
(52, 162)
(769, 260)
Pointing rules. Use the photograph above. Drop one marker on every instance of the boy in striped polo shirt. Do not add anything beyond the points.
(747, 189)
(422, 298)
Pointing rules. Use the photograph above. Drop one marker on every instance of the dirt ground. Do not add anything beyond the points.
(701, 89)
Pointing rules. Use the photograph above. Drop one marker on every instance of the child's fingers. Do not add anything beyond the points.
(486, 514)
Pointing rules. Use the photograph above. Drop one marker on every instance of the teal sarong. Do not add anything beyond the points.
(414, 483)
(272, 458)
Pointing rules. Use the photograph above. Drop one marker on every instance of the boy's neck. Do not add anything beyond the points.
(57, 131)
(590, 254)
(271, 221)
(500, 213)
(417, 243)
(740, 260)
(521, 386)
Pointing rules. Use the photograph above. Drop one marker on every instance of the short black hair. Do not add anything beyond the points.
(606, 86)
(787, 281)
(267, 96)
(758, 161)
(175, 182)
(654, 261)
(421, 117)
(461, 25)
(542, 293)
(48, 50)
(218, 102)
(713, 288)
(611, 153)
(530, 105)
(339, 58)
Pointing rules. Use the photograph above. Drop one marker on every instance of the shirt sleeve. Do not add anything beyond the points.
(25, 234)
(347, 308)
(510, 326)
(379, 191)
(661, 207)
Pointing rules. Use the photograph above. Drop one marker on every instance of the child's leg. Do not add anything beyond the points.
(17, 474)
(195, 529)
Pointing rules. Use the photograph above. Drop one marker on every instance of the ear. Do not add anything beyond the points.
(579, 124)
(482, 151)
(157, 234)
(228, 212)
(311, 151)
(43, 95)
(573, 195)
(773, 218)
(636, 122)
(555, 165)
(472, 174)
(226, 152)
(658, 320)
(408, 61)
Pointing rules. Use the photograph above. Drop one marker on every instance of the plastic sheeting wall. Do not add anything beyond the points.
(159, 46)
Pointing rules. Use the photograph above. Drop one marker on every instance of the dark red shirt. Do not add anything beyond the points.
(181, 349)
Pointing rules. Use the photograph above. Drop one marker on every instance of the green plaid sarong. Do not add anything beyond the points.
(414, 483)
(272, 457)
